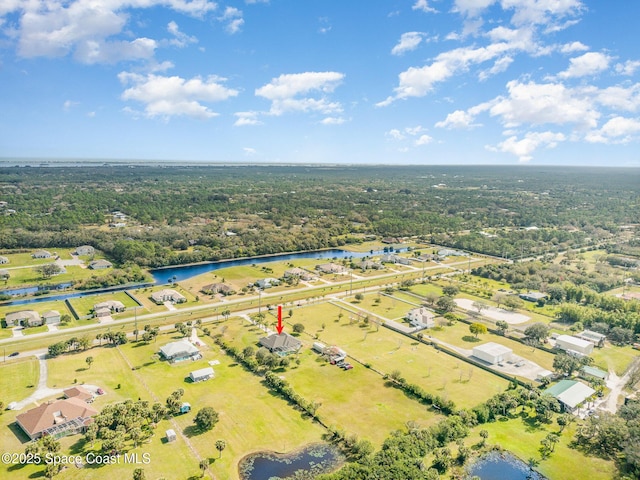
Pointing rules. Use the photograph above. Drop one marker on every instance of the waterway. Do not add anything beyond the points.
(502, 466)
(312, 460)
(179, 273)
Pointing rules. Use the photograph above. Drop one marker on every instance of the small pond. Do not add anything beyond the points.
(502, 466)
(313, 459)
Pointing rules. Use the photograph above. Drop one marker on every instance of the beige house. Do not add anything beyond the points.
(168, 295)
(29, 318)
(41, 254)
(100, 264)
(50, 317)
(220, 288)
(331, 268)
(105, 309)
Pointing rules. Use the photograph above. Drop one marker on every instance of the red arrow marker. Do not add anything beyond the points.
(280, 326)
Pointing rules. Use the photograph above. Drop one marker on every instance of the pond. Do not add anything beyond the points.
(312, 460)
(502, 466)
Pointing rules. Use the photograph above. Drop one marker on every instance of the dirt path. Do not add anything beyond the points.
(616, 385)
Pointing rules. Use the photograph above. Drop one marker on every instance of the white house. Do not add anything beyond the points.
(331, 268)
(421, 318)
(492, 353)
(594, 337)
(3, 260)
(180, 351)
(202, 374)
(574, 344)
(41, 254)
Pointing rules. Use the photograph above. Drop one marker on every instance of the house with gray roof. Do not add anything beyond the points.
(180, 351)
(104, 309)
(27, 318)
(41, 254)
(282, 343)
(3, 260)
(100, 264)
(4, 274)
(50, 317)
(85, 250)
(331, 268)
(221, 288)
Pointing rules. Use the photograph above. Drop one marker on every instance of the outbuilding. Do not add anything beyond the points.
(492, 353)
(202, 374)
(573, 344)
(171, 435)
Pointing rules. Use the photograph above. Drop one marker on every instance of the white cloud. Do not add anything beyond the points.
(591, 63)
(423, 140)
(457, 119)
(180, 39)
(616, 130)
(628, 68)
(395, 134)
(332, 121)
(234, 18)
(69, 104)
(246, 118)
(88, 29)
(499, 66)
(573, 47)
(625, 98)
(289, 92)
(424, 6)
(419, 81)
(408, 41)
(542, 12)
(547, 103)
(248, 151)
(174, 96)
(472, 7)
(524, 148)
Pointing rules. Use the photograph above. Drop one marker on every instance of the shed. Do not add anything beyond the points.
(202, 374)
(574, 344)
(171, 435)
(319, 347)
(589, 373)
(185, 407)
(594, 337)
(492, 353)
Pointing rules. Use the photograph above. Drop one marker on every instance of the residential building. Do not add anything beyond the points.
(85, 250)
(421, 318)
(370, 265)
(533, 296)
(105, 309)
(58, 418)
(3, 260)
(221, 288)
(180, 351)
(492, 353)
(282, 343)
(168, 295)
(267, 283)
(331, 268)
(4, 274)
(300, 273)
(26, 318)
(41, 254)
(100, 264)
(570, 393)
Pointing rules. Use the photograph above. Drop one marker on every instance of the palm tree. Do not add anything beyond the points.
(203, 466)
(220, 446)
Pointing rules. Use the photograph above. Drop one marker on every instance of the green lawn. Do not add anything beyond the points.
(611, 356)
(19, 377)
(523, 439)
(384, 306)
(84, 305)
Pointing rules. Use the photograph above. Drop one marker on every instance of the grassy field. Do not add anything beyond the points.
(522, 437)
(84, 305)
(389, 307)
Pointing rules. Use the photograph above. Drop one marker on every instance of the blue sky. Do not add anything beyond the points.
(337, 81)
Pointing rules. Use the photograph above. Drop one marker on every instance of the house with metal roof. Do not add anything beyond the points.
(180, 351)
(594, 337)
(492, 353)
(573, 344)
(592, 373)
(202, 374)
(570, 393)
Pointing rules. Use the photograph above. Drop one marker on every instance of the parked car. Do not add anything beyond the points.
(348, 366)
(100, 391)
